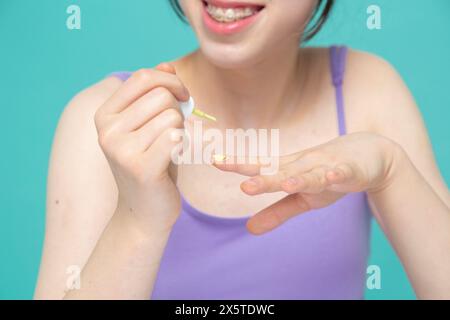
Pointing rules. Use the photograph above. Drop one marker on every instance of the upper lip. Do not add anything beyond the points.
(234, 4)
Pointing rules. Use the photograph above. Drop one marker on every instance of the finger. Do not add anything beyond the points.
(345, 177)
(147, 134)
(245, 166)
(250, 166)
(314, 181)
(160, 153)
(342, 173)
(276, 214)
(264, 184)
(284, 180)
(142, 82)
(166, 67)
(146, 108)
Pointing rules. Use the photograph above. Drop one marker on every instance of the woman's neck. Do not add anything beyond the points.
(258, 96)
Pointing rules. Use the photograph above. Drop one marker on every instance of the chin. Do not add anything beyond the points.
(236, 34)
(231, 56)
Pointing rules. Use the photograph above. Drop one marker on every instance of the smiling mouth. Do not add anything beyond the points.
(224, 12)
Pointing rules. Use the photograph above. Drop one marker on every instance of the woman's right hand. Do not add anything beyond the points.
(136, 129)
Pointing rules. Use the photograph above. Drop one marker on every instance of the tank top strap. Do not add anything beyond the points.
(338, 60)
(122, 75)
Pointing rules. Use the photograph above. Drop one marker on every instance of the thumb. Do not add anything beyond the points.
(166, 67)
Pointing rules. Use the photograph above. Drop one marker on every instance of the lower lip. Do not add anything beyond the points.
(230, 27)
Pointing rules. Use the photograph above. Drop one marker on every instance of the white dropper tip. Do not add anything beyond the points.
(187, 107)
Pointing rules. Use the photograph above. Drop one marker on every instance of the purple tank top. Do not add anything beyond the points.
(321, 254)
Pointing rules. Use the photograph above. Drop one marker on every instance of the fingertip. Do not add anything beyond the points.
(221, 165)
(166, 67)
(182, 94)
(263, 222)
(186, 95)
(254, 228)
(248, 190)
(252, 186)
(219, 158)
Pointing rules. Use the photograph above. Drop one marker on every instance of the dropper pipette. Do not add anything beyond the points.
(188, 108)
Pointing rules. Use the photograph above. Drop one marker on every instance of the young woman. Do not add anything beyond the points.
(351, 137)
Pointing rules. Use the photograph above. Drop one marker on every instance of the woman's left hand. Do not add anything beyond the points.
(317, 177)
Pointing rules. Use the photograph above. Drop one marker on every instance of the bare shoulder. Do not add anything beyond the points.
(376, 95)
(379, 101)
(75, 149)
(81, 191)
(75, 140)
(76, 121)
(90, 99)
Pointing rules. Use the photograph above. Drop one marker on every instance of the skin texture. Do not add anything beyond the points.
(112, 201)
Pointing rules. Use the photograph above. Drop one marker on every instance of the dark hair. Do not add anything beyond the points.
(323, 7)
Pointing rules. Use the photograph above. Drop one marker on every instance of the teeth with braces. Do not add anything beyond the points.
(229, 14)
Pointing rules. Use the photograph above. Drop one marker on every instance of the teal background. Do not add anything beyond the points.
(43, 65)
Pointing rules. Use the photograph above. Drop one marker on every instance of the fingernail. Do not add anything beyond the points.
(292, 181)
(253, 182)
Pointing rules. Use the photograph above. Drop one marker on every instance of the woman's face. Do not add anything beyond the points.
(240, 33)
